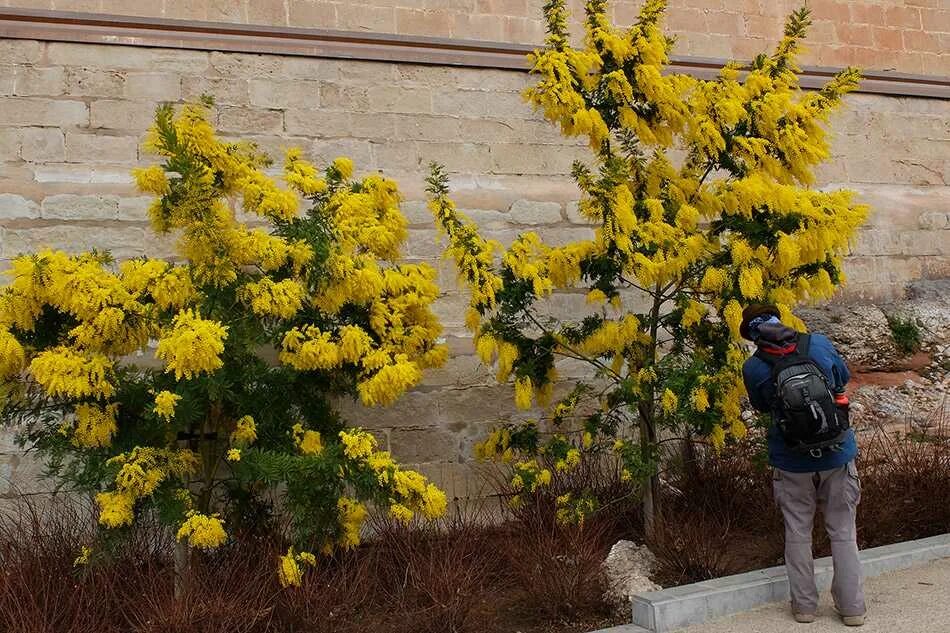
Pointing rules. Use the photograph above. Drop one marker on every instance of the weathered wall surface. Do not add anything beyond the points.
(907, 35)
(72, 116)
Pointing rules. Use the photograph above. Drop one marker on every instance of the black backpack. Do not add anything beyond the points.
(804, 408)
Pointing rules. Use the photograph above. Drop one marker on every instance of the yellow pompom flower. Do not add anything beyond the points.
(83, 558)
(733, 316)
(718, 437)
(309, 442)
(115, 509)
(750, 282)
(151, 179)
(700, 399)
(12, 355)
(401, 513)
(233, 455)
(95, 425)
(596, 297)
(245, 432)
(389, 382)
(165, 402)
(669, 402)
(343, 166)
(352, 514)
(357, 444)
(70, 373)
(193, 345)
(288, 571)
(524, 392)
(202, 531)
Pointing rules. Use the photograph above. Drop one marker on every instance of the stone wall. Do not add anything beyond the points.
(911, 36)
(72, 117)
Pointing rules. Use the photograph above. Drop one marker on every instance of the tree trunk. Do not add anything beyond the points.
(182, 568)
(651, 488)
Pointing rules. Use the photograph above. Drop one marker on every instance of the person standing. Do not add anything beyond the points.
(799, 379)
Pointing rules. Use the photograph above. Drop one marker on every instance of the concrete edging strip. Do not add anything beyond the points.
(677, 607)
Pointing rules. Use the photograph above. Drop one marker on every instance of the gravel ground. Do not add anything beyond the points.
(910, 601)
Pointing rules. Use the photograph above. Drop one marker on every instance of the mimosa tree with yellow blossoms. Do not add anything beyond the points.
(700, 196)
(256, 331)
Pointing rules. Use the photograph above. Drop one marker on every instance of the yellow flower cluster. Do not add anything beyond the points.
(267, 298)
(289, 572)
(352, 515)
(12, 355)
(165, 402)
(192, 346)
(141, 471)
(69, 373)
(308, 441)
(95, 425)
(202, 531)
(244, 433)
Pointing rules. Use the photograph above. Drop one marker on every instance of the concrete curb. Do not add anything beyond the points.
(671, 609)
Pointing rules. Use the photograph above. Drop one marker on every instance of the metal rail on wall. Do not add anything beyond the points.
(91, 28)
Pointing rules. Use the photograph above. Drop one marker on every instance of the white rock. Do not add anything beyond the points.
(628, 567)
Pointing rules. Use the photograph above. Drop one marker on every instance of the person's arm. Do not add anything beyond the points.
(839, 369)
(753, 378)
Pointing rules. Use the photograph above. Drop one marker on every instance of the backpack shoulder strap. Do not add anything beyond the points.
(804, 343)
(765, 357)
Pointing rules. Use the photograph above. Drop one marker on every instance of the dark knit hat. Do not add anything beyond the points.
(753, 311)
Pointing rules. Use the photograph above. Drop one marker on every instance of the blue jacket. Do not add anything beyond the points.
(757, 376)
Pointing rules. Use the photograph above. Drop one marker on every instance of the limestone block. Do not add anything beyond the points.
(85, 82)
(927, 242)
(227, 91)
(72, 207)
(424, 244)
(419, 127)
(532, 212)
(313, 14)
(424, 444)
(393, 98)
(153, 86)
(296, 93)
(98, 148)
(250, 121)
(457, 157)
(338, 96)
(13, 207)
(457, 481)
(246, 65)
(134, 209)
(315, 122)
(32, 81)
(9, 143)
(323, 152)
(121, 115)
(365, 17)
(17, 111)
(7, 81)
(41, 145)
(123, 243)
(85, 174)
(935, 221)
(20, 51)
(877, 242)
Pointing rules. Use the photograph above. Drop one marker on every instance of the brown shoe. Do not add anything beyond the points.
(804, 618)
(850, 620)
(853, 620)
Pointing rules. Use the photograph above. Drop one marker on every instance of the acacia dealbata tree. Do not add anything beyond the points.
(199, 390)
(700, 194)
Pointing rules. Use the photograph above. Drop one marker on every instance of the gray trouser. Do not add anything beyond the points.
(837, 492)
